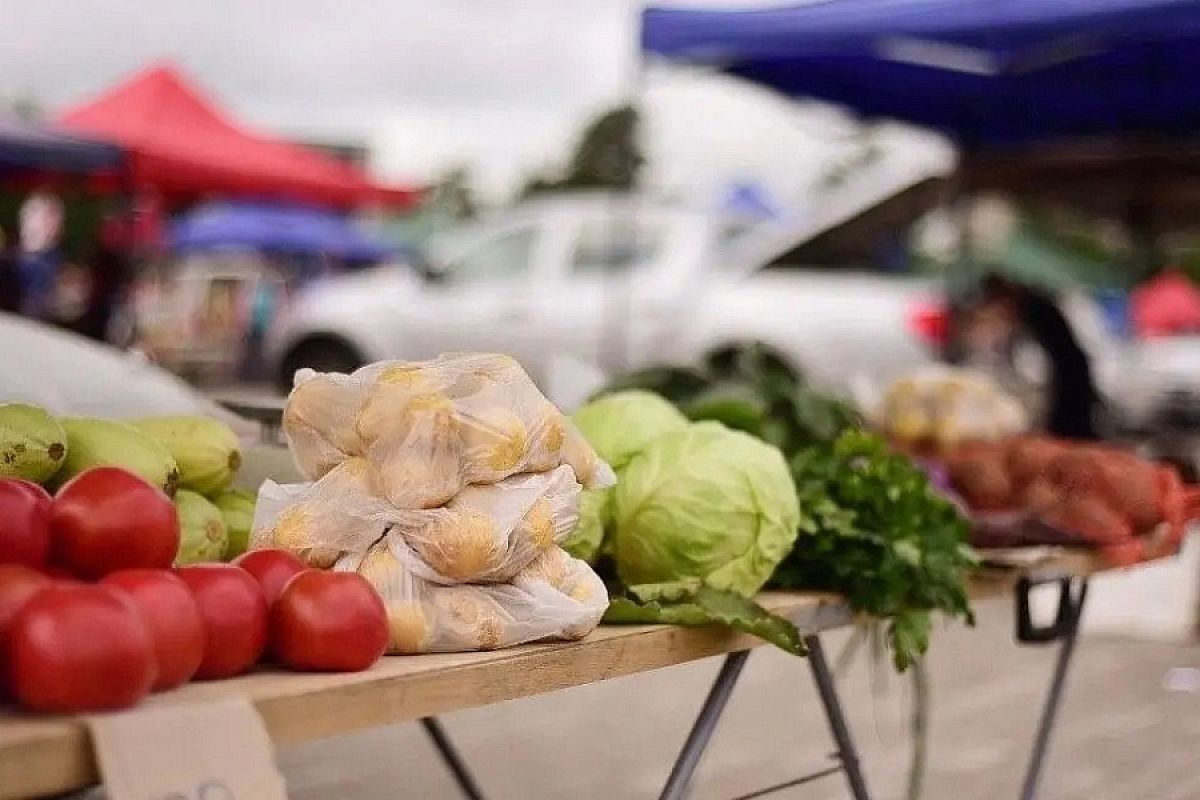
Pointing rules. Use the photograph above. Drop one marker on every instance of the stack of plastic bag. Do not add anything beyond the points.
(449, 484)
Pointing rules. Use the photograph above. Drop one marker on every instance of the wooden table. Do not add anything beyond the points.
(44, 755)
(48, 755)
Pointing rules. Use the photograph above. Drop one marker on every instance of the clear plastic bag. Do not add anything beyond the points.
(948, 406)
(488, 533)
(320, 521)
(555, 597)
(314, 421)
(485, 534)
(430, 428)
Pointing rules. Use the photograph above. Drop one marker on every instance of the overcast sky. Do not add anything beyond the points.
(500, 85)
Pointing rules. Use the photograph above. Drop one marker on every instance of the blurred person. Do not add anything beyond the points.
(1007, 308)
(10, 275)
(110, 276)
(67, 304)
(264, 302)
(41, 222)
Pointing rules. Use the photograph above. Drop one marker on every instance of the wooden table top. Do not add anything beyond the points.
(44, 755)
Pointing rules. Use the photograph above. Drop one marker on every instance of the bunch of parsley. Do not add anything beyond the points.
(876, 532)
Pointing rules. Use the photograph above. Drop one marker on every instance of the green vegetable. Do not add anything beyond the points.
(673, 383)
(692, 603)
(33, 444)
(707, 503)
(237, 509)
(874, 530)
(206, 451)
(619, 425)
(93, 442)
(202, 532)
(871, 528)
(737, 406)
(595, 515)
(748, 388)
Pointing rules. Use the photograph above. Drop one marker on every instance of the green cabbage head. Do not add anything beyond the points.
(705, 502)
(595, 515)
(619, 425)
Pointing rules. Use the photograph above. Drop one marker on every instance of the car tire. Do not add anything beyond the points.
(321, 353)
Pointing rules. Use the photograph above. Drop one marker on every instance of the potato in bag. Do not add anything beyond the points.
(494, 443)
(412, 442)
(573, 578)
(548, 434)
(559, 598)
(469, 618)
(589, 469)
(404, 597)
(488, 617)
(319, 421)
(488, 533)
(318, 522)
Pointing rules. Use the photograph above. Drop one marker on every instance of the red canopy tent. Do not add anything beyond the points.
(184, 147)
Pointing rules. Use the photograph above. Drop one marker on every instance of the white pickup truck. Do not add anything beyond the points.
(614, 283)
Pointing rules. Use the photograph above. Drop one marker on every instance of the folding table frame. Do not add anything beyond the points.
(1064, 629)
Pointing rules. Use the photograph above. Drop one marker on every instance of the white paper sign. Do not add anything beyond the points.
(202, 751)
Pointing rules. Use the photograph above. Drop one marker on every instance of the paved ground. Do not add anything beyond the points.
(1123, 735)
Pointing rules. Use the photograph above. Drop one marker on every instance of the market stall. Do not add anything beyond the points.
(444, 512)
(185, 148)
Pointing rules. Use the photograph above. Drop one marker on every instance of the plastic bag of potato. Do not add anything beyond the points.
(320, 521)
(489, 533)
(485, 534)
(429, 428)
(949, 406)
(554, 597)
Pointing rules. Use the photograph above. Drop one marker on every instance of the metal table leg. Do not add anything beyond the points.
(710, 713)
(837, 722)
(1066, 628)
(450, 755)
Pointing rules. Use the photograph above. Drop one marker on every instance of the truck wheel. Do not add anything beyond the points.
(322, 353)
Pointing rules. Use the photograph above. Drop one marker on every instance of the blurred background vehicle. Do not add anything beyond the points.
(613, 281)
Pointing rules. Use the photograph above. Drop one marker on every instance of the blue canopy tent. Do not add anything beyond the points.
(26, 146)
(1093, 104)
(276, 228)
(988, 74)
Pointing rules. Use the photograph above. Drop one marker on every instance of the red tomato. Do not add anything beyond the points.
(235, 618)
(169, 611)
(17, 585)
(24, 523)
(272, 568)
(78, 647)
(329, 621)
(106, 519)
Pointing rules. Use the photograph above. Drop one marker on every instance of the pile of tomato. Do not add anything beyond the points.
(93, 616)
